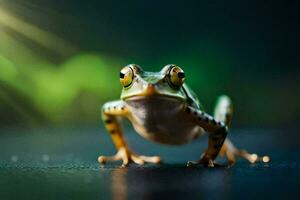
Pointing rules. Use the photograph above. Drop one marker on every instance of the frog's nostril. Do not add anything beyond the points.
(151, 89)
(151, 85)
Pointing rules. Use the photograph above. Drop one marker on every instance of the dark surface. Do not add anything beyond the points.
(61, 163)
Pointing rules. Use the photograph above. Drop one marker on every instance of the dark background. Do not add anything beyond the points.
(65, 56)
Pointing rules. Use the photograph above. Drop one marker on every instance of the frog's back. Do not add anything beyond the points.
(192, 98)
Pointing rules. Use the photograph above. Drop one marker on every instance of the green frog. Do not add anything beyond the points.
(162, 108)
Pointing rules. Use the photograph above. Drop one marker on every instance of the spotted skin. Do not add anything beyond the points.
(217, 134)
(110, 112)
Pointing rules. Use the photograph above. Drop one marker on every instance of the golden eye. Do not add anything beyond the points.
(176, 76)
(126, 76)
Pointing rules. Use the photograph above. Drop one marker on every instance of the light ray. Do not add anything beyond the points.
(40, 36)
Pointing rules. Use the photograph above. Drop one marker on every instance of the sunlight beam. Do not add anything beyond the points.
(40, 36)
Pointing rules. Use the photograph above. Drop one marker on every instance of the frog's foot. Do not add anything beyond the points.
(127, 157)
(232, 153)
(251, 157)
(205, 161)
(209, 163)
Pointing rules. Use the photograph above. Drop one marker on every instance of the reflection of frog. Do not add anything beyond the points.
(163, 109)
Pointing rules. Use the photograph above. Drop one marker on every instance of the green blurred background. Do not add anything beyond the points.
(59, 60)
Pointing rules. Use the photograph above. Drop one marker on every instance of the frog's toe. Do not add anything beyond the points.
(141, 160)
(151, 159)
(232, 153)
(129, 157)
(252, 158)
(120, 155)
(204, 162)
(137, 159)
(105, 159)
(192, 164)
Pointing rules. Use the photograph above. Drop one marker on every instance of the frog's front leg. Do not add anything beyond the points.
(217, 133)
(111, 111)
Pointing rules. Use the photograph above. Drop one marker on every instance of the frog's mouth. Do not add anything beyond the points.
(151, 106)
(155, 97)
(152, 93)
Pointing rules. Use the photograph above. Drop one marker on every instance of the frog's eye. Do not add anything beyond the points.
(126, 76)
(176, 75)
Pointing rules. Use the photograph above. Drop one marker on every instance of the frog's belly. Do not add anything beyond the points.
(162, 119)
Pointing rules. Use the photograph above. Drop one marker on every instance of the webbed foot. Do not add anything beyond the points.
(128, 156)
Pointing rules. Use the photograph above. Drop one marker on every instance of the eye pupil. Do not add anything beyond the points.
(176, 77)
(181, 75)
(126, 76)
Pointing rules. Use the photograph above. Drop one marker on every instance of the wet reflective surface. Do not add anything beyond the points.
(61, 164)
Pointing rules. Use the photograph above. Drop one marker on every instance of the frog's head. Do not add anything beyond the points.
(138, 83)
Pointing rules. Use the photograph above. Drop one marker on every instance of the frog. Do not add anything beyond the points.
(162, 108)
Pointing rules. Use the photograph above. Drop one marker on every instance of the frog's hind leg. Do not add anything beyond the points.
(223, 112)
(232, 153)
